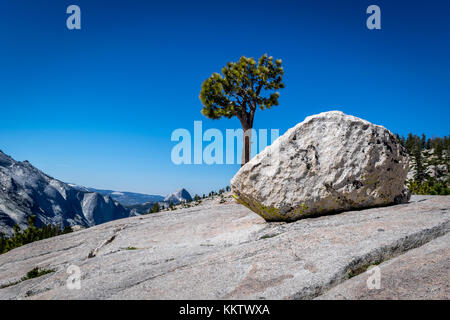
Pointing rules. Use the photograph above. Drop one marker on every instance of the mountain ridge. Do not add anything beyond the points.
(26, 191)
(181, 195)
(126, 198)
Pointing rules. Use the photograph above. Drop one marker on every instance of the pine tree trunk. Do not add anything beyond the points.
(247, 125)
(247, 146)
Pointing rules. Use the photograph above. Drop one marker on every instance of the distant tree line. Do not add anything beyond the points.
(429, 163)
(196, 200)
(30, 234)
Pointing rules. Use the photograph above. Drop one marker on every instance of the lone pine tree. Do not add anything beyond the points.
(156, 208)
(243, 87)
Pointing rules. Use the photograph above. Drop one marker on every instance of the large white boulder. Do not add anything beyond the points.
(330, 162)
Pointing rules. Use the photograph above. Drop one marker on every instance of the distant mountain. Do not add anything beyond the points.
(125, 198)
(139, 203)
(25, 191)
(181, 195)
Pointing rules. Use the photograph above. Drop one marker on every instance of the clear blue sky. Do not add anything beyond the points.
(97, 106)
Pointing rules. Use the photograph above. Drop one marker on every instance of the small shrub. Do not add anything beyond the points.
(36, 272)
(33, 273)
(429, 187)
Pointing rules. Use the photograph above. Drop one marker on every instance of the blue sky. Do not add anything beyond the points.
(97, 106)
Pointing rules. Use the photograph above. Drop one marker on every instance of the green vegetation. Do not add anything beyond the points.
(31, 234)
(33, 273)
(156, 208)
(36, 272)
(429, 188)
(131, 248)
(245, 86)
(429, 162)
(197, 199)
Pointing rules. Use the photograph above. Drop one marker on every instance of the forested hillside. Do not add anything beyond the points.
(429, 164)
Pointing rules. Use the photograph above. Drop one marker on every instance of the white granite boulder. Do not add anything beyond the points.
(330, 162)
